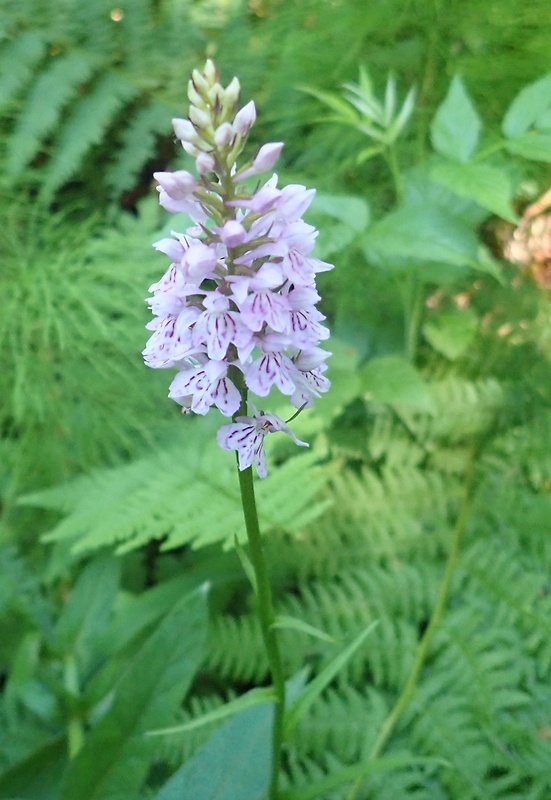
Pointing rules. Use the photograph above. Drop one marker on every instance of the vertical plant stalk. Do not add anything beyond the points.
(408, 691)
(266, 617)
(264, 599)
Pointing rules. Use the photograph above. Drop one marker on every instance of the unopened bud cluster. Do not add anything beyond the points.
(236, 309)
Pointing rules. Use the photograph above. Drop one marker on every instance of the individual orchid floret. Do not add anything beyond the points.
(199, 387)
(246, 435)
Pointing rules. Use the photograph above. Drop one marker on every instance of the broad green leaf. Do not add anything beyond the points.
(293, 624)
(424, 233)
(89, 606)
(38, 776)
(527, 107)
(124, 634)
(456, 125)
(234, 764)
(136, 612)
(489, 186)
(534, 145)
(354, 211)
(392, 379)
(312, 690)
(250, 699)
(114, 760)
(341, 777)
(452, 333)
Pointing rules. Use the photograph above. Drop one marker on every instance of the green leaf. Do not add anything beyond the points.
(150, 499)
(19, 59)
(534, 145)
(234, 764)
(526, 108)
(424, 233)
(55, 87)
(89, 606)
(37, 776)
(489, 186)
(312, 690)
(294, 624)
(250, 699)
(393, 380)
(341, 777)
(452, 332)
(114, 760)
(353, 211)
(456, 125)
(85, 127)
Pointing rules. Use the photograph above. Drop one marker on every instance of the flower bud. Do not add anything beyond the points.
(199, 81)
(216, 96)
(204, 163)
(245, 118)
(178, 185)
(190, 149)
(199, 117)
(210, 71)
(223, 134)
(267, 156)
(194, 97)
(184, 130)
(231, 93)
(233, 233)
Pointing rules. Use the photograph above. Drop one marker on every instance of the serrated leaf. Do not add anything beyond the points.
(55, 87)
(456, 126)
(18, 61)
(137, 142)
(115, 757)
(85, 127)
(234, 764)
(393, 380)
(527, 106)
(130, 505)
(345, 775)
(489, 186)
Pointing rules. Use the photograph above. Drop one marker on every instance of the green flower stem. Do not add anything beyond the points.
(264, 596)
(408, 691)
(266, 616)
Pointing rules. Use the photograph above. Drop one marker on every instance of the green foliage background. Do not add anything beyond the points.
(123, 604)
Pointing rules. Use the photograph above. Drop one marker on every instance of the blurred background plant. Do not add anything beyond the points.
(427, 129)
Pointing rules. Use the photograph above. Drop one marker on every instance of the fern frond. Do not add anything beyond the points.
(137, 143)
(85, 127)
(149, 499)
(242, 662)
(17, 62)
(55, 87)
